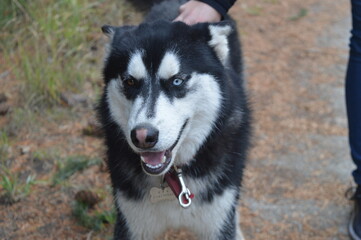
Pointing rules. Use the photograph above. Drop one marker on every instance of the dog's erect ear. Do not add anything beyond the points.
(219, 33)
(108, 30)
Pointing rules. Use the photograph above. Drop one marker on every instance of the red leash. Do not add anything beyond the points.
(175, 181)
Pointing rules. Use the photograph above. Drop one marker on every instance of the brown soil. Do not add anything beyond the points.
(295, 54)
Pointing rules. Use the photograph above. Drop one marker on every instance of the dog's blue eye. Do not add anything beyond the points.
(177, 81)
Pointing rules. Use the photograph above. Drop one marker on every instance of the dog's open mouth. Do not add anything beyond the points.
(155, 163)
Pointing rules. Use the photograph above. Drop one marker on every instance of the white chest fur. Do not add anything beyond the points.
(147, 220)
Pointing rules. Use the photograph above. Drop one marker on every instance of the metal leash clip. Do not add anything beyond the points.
(184, 197)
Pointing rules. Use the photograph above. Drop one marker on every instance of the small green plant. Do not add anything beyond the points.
(271, 1)
(301, 13)
(71, 165)
(4, 145)
(95, 221)
(12, 189)
(21, 119)
(50, 155)
(254, 10)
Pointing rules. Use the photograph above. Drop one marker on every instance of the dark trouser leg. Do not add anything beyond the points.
(353, 105)
(353, 90)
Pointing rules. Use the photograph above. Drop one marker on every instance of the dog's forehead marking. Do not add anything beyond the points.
(136, 66)
(169, 66)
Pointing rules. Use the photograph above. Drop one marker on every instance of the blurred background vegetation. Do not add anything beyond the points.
(49, 45)
(51, 55)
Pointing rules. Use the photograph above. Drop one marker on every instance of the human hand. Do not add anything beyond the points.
(193, 12)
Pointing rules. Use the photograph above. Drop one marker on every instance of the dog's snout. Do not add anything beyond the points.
(144, 136)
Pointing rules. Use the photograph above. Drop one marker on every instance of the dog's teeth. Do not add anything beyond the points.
(142, 158)
(154, 167)
(164, 159)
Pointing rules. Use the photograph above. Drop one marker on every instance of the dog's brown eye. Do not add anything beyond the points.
(130, 82)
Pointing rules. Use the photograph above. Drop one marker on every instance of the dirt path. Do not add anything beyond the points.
(295, 54)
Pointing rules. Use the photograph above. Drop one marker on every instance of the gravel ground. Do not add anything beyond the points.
(299, 168)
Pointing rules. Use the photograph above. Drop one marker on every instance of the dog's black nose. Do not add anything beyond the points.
(144, 136)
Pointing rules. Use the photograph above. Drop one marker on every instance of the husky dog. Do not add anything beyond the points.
(177, 126)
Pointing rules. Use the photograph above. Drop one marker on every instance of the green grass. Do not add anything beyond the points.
(301, 13)
(12, 188)
(271, 1)
(48, 154)
(47, 44)
(9, 10)
(51, 46)
(95, 221)
(21, 118)
(254, 10)
(71, 165)
(4, 146)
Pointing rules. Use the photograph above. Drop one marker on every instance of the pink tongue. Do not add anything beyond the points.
(153, 158)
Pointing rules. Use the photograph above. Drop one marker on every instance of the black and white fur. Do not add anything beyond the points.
(185, 82)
